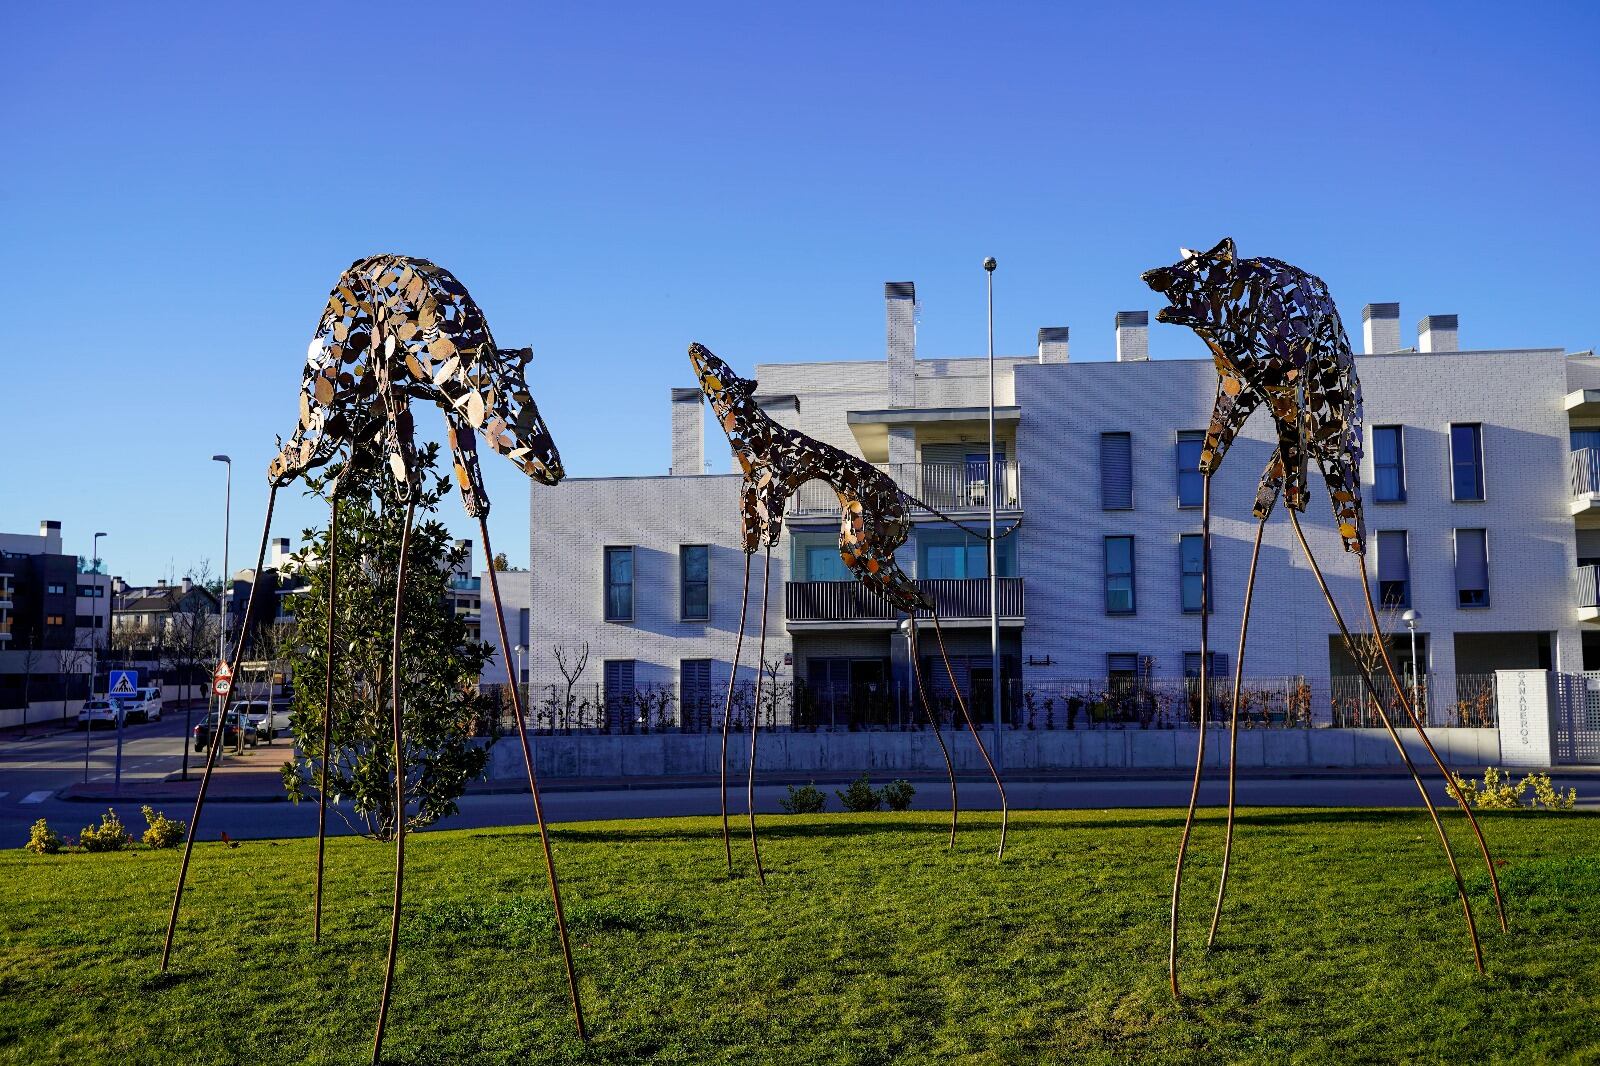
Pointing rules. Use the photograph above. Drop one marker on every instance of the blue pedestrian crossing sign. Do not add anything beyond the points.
(124, 684)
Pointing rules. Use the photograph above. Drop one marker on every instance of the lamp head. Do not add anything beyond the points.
(1411, 617)
(221, 459)
(989, 264)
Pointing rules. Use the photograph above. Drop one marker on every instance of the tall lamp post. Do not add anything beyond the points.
(994, 577)
(227, 586)
(94, 657)
(1411, 618)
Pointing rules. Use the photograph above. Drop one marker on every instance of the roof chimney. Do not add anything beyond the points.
(188, 585)
(280, 553)
(1438, 333)
(688, 432)
(50, 530)
(161, 582)
(116, 586)
(1053, 344)
(1133, 336)
(900, 298)
(1380, 328)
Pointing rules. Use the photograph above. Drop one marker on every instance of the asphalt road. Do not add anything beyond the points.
(33, 772)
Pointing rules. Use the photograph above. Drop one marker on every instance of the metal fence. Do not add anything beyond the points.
(1466, 700)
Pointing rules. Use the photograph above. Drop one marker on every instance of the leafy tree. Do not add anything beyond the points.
(439, 662)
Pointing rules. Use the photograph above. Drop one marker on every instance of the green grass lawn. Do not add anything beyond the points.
(870, 944)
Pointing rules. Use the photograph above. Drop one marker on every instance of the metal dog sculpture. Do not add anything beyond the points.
(398, 329)
(875, 520)
(1277, 340)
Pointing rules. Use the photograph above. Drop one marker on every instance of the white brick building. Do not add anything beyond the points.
(1091, 455)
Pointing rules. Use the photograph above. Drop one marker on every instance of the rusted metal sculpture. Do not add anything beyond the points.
(1277, 340)
(875, 520)
(397, 330)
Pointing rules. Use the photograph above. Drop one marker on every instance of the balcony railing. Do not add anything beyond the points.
(945, 486)
(1583, 467)
(1589, 586)
(849, 601)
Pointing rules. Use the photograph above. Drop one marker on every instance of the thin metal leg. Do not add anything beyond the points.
(1233, 733)
(1200, 746)
(972, 727)
(327, 716)
(399, 779)
(1422, 733)
(755, 716)
(1372, 690)
(533, 782)
(727, 712)
(216, 736)
(933, 719)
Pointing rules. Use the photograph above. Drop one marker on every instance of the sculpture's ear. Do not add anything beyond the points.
(1223, 250)
(1187, 253)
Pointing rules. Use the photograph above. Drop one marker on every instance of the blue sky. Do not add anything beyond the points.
(613, 181)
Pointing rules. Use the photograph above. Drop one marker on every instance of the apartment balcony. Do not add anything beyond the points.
(953, 488)
(1583, 477)
(961, 600)
(1589, 594)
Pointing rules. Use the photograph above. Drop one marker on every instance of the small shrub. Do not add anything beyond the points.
(1497, 793)
(42, 840)
(1547, 796)
(860, 796)
(164, 832)
(807, 799)
(110, 835)
(897, 794)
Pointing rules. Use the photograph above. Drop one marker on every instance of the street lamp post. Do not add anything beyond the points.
(94, 660)
(994, 577)
(1411, 618)
(227, 587)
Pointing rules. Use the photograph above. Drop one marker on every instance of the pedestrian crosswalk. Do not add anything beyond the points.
(37, 797)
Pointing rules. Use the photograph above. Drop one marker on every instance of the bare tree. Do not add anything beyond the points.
(31, 657)
(191, 639)
(571, 664)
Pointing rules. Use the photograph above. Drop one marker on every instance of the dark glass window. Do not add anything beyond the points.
(695, 583)
(1191, 483)
(1192, 570)
(1388, 464)
(619, 584)
(1119, 575)
(1466, 461)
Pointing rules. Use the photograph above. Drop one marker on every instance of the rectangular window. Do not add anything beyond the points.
(1394, 569)
(1466, 460)
(816, 558)
(1116, 471)
(694, 583)
(953, 553)
(54, 620)
(91, 591)
(1122, 669)
(619, 584)
(1388, 464)
(55, 590)
(1193, 570)
(524, 618)
(694, 692)
(1119, 575)
(1191, 665)
(1191, 483)
(1472, 568)
(618, 675)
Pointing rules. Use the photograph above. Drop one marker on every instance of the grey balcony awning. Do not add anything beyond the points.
(871, 428)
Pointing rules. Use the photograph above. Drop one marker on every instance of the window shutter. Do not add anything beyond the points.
(944, 453)
(1392, 562)
(1472, 559)
(1126, 662)
(1116, 471)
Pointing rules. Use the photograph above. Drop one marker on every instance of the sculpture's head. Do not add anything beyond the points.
(1202, 289)
(722, 386)
(525, 439)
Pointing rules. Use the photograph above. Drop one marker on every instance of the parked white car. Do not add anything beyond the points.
(144, 707)
(268, 719)
(99, 712)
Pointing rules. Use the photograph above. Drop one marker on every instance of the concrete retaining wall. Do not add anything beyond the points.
(669, 754)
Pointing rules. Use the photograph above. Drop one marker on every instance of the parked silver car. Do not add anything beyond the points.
(269, 719)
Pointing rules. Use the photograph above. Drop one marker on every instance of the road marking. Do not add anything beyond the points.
(37, 797)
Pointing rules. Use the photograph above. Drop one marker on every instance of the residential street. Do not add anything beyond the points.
(246, 802)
